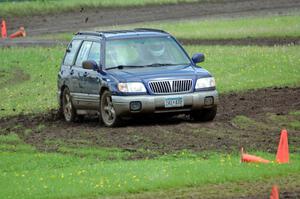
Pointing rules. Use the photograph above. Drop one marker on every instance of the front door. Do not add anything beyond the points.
(88, 80)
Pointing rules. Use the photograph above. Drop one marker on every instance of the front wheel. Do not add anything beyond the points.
(108, 114)
(205, 115)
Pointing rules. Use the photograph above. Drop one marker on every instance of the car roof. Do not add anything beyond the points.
(124, 33)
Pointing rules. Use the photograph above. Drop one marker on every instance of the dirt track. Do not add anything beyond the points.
(89, 18)
(169, 135)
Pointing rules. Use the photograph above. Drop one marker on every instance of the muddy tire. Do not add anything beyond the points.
(68, 110)
(205, 115)
(108, 115)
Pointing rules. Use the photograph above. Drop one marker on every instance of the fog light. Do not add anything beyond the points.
(208, 101)
(135, 106)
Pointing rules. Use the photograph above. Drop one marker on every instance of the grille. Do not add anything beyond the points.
(170, 86)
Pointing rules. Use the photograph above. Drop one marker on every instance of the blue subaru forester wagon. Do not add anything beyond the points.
(117, 74)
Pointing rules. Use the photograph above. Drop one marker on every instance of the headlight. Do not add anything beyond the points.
(132, 87)
(205, 83)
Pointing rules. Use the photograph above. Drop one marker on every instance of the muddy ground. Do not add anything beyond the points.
(265, 109)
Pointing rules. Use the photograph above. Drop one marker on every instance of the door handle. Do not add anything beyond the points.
(72, 72)
(85, 74)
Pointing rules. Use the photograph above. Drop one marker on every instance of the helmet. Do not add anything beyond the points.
(156, 49)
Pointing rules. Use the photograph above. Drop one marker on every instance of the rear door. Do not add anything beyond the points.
(67, 71)
(80, 75)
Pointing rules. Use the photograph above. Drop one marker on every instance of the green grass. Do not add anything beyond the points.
(31, 174)
(85, 148)
(100, 153)
(45, 7)
(38, 93)
(296, 113)
(262, 26)
(235, 69)
(291, 121)
(5, 75)
(242, 68)
(11, 138)
(295, 125)
(227, 28)
(243, 122)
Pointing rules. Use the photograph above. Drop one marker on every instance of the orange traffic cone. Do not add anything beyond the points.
(283, 148)
(20, 33)
(252, 158)
(274, 193)
(3, 29)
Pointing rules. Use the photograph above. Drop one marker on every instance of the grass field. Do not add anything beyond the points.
(235, 69)
(26, 173)
(225, 28)
(243, 27)
(45, 7)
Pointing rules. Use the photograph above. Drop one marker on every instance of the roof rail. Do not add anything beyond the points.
(89, 33)
(150, 29)
(115, 31)
(102, 33)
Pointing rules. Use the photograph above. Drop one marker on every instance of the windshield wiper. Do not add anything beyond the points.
(125, 66)
(149, 65)
(165, 64)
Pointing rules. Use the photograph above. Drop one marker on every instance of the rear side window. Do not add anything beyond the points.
(72, 48)
(83, 53)
(95, 52)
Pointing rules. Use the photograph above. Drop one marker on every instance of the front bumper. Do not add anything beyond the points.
(156, 103)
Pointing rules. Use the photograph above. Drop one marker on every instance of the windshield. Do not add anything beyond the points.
(147, 51)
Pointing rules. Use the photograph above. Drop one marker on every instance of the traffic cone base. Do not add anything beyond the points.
(20, 33)
(3, 29)
(282, 155)
(252, 158)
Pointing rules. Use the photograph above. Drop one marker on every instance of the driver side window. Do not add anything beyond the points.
(95, 53)
(83, 53)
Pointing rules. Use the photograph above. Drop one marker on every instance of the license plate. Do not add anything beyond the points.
(174, 102)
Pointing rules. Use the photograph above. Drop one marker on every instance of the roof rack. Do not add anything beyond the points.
(101, 33)
(89, 33)
(115, 31)
(150, 29)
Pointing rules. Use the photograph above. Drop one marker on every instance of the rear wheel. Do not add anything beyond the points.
(108, 114)
(68, 109)
(204, 115)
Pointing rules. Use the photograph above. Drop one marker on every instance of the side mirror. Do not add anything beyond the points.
(90, 65)
(198, 57)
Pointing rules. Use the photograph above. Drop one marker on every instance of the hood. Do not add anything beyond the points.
(158, 73)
